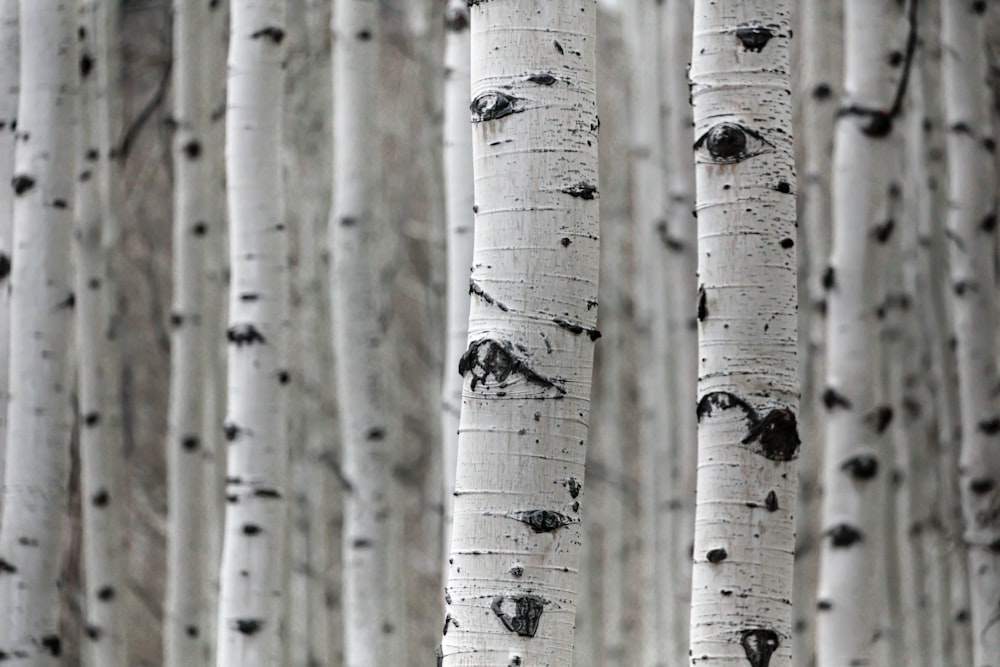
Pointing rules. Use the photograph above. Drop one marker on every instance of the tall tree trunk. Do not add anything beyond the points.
(373, 603)
(747, 436)
(187, 533)
(253, 577)
(9, 58)
(38, 428)
(515, 544)
(101, 483)
(971, 226)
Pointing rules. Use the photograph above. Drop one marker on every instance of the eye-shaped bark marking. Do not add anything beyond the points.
(759, 644)
(754, 38)
(493, 104)
(543, 521)
(861, 467)
(581, 190)
(542, 78)
(729, 143)
(716, 555)
(527, 613)
(497, 359)
(778, 435)
(842, 535)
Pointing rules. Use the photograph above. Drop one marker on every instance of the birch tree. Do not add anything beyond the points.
(512, 585)
(748, 376)
(971, 229)
(38, 427)
(187, 537)
(253, 577)
(9, 58)
(857, 420)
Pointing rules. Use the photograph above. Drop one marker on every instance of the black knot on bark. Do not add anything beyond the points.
(759, 644)
(22, 183)
(778, 435)
(526, 613)
(754, 38)
(726, 141)
(581, 190)
(244, 334)
(843, 535)
(543, 521)
(982, 486)
(880, 418)
(542, 78)
(248, 626)
(990, 426)
(716, 555)
(861, 467)
(100, 498)
(492, 105)
(771, 502)
(273, 33)
(52, 644)
(834, 399)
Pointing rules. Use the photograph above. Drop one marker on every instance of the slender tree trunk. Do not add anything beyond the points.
(100, 447)
(373, 600)
(38, 427)
(522, 441)
(9, 58)
(971, 225)
(253, 577)
(747, 437)
(187, 536)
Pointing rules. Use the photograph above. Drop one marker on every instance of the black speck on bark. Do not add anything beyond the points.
(787, 243)
(249, 296)
(861, 467)
(199, 229)
(989, 223)
(22, 183)
(68, 302)
(979, 7)
(190, 443)
(824, 605)
(244, 334)
(362, 543)
(829, 279)
(822, 91)
(982, 486)
(543, 521)
(375, 434)
(100, 498)
(784, 187)
(106, 593)
(192, 150)
(834, 399)
(59, 203)
(92, 419)
(489, 358)
(702, 303)
(267, 494)
(990, 426)
(231, 431)
(492, 105)
(883, 231)
(880, 418)
(527, 613)
(248, 626)
(52, 644)
(542, 78)
(777, 434)
(843, 535)
(252, 529)
(364, 35)
(4, 265)
(284, 377)
(559, 47)
(754, 38)
(574, 487)
(759, 644)
(86, 65)
(273, 33)
(93, 632)
(581, 190)
(6, 568)
(517, 571)
(593, 334)
(565, 241)
(896, 58)
(716, 555)
(771, 501)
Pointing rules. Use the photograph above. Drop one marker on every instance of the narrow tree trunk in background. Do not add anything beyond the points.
(522, 441)
(101, 462)
(373, 603)
(187, 536)
(253, 576)
(747, 437)
(971, 228)
(9, 58)
(459, 200)
(38, 427)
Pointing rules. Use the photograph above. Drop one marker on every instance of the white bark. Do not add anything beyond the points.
(515, 542)
(187, 533)
(459, 200)
(9, 58)
(373, 599)
(38, 427)
(971, 226)
(253, 577)
(748, 376)
(100, 443)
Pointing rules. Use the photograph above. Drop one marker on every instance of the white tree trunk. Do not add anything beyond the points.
(373, 599)
(100, 445)
(9, 58)
(187, 533)
(253, 577)
(515, 544)
(748, 376)
(459, 200)
(971, 227)
(38, 428)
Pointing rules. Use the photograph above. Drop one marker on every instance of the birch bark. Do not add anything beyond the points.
(9, 59)
(253, 576)
(38, 427)
(515, 543)
(971, 227)
(100, 445)
(748, 376)
(187, 534)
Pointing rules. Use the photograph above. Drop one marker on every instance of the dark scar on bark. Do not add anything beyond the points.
(593, 334)
(581, 190)
(777, 434)
(474, 288)
(759, 644)
(834, 399)
(716, 555)
(883, 231)
(272, 33)
(574, 487)
(448, 621)
(829, 279)
(861, 467)
(880, 418)
(6, 568)
(527, 613)
(543, 521)
(990, 426)
(542, 78)
(244, 334)
(52, 644)
(754, 38)
(248, 626)
(488, 357)
(771, 501)
(702, 303)
(843, 535)
(492, 105)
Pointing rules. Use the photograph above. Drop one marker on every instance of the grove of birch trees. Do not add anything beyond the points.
(499, 333)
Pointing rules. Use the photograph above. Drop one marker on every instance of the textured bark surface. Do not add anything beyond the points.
(251, 602)
(38, 428)
(9, 75)
(516, 540)
(748, 375)
(971, 230)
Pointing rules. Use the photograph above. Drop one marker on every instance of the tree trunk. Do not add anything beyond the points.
(515, 544)
(971, 228)
(9, 58)
(253, 576)
(38, 428)
(747, 436)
